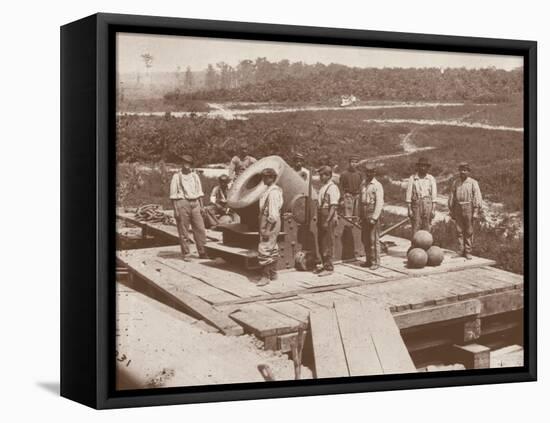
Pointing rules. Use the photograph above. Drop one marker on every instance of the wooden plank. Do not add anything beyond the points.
(361, 356)
(500, 281)
(463, 288)
(458, 310)
(517, 280)
(324, 299)
(221, 279)
(391, 350)
(169, 279)
(290, 309)
(502, 302)
(328, 351)
(263, 321)
(198, 307)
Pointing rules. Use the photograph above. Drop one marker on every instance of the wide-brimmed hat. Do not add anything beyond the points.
(269, 171)
(464, 165)
(423, 161)
(299, 156)
(187, 158)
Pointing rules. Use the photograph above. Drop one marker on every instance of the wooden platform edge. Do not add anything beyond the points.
(199, 307)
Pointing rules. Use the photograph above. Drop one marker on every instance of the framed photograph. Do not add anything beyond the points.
(258, 211)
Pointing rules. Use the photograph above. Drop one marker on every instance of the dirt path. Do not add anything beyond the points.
(159, 346)
(447, 122)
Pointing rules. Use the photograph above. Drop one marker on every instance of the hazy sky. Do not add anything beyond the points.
(171, 51)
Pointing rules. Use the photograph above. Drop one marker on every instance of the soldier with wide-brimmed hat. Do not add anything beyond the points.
(421, 196)
(372, 201)
(465, 204)
(271, 203)
(186, 195)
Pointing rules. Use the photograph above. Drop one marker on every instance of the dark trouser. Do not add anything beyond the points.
(370, 234)
(421, 215)
(188, 212)
(351, 206)
(463, 215)
(325, 236)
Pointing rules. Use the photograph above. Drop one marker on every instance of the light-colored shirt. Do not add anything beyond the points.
(329, 195)
(237, 166)
(186, 186)
(420, 187)
(218, 194)
(372, 196)
(274, 198)
(466, 191)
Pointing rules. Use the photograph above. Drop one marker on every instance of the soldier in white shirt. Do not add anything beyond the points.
(186, 195)
(420, 197)
(329, 198)
(271, 203)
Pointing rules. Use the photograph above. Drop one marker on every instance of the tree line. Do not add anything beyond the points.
(262, 80)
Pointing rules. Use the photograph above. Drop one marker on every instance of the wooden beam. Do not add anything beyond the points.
(435, 314)
(328, 351)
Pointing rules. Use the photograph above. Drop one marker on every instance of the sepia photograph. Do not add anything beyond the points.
(290, 211)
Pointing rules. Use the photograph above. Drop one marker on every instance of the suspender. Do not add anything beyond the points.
(183, 186)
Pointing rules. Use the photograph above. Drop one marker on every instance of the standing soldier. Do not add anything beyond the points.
(298, 166)
(271, 202)
(238, 165)
(350, 185)
(464, 206)
(186, 195)
(421, 196)
(329, 197)
(372, 201)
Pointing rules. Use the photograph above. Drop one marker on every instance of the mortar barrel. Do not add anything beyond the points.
(248, 187)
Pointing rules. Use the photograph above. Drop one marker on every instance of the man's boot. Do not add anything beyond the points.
(265, 279)
(273, 271)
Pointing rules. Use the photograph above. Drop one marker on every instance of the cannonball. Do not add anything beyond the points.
(422, 239)
(435, 255)
(417, 258)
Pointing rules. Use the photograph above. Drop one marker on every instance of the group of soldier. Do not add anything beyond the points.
(358, 198)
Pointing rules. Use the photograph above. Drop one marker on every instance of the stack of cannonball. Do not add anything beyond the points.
(423, 252)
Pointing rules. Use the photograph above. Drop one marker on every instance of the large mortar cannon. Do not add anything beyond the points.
(298, 237)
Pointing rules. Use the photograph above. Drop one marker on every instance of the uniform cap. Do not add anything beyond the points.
(223, 178)
(464, 165)
(355, 157)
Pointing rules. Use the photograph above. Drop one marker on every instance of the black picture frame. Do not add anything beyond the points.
(88, 210)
